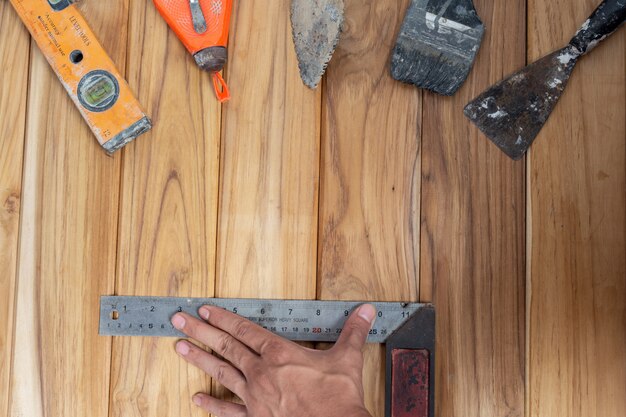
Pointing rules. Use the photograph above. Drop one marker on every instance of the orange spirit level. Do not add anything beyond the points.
(202, 26)
(86, 71)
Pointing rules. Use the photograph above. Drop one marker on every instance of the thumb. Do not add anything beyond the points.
(357, 327)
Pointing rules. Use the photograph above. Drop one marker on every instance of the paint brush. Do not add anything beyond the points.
(437, 44)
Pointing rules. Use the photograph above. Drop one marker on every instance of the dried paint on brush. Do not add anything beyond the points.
(437, 44)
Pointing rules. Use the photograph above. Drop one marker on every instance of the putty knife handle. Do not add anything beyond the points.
(602, 22)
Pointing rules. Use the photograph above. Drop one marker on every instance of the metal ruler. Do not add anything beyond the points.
(406, 329)
(302, 320)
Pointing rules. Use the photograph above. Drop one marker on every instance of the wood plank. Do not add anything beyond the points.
(473, 237)
(14, 58)
(577, 223)
(270, 162)
(167, 215)
(267, 236)
(67, 244)
(370, 193)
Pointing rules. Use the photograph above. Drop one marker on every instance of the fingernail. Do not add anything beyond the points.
(367, 312)
(204, 313)
(178, 321)
(197, 400)
(182, 348)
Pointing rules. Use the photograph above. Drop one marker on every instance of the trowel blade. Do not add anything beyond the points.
(316, 26)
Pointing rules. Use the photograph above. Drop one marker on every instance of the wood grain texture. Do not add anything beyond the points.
(369, 211)
(67, 245)
(14, 58)
(473, 237)
(577, 221)
(168, 213)
(412, 200)
(267, 236)
(270, 162)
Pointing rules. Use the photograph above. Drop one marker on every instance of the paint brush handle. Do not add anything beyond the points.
(602, 22)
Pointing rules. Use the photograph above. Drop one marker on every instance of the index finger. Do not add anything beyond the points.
(248, 333)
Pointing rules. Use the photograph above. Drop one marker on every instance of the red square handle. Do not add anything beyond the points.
(410, 370)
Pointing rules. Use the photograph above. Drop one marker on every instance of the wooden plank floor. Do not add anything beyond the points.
(362, 189)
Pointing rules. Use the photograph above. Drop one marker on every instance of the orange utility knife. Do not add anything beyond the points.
(202, 26)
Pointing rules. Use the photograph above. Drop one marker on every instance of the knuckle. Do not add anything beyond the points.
(193, 353)
(355, 326)
(241, 329)
(274, 351)
(224, 344)
(222, 409)
(220, 373)
(196, 355)
(355, 329)
(242, 362)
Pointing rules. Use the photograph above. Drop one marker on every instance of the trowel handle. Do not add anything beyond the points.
(602, 22)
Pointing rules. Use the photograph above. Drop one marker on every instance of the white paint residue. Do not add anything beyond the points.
(498, 114)
(517, 78)
(565, 58)
(592, 45)
(554, 83)
(595, 43)
(586, 24)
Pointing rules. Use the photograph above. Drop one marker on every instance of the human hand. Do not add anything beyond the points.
(273, 376)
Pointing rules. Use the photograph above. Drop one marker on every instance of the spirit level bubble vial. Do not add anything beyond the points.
(96, 87)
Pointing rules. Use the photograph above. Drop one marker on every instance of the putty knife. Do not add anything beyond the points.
(316, 26)
(512, 112)
(437, 44)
